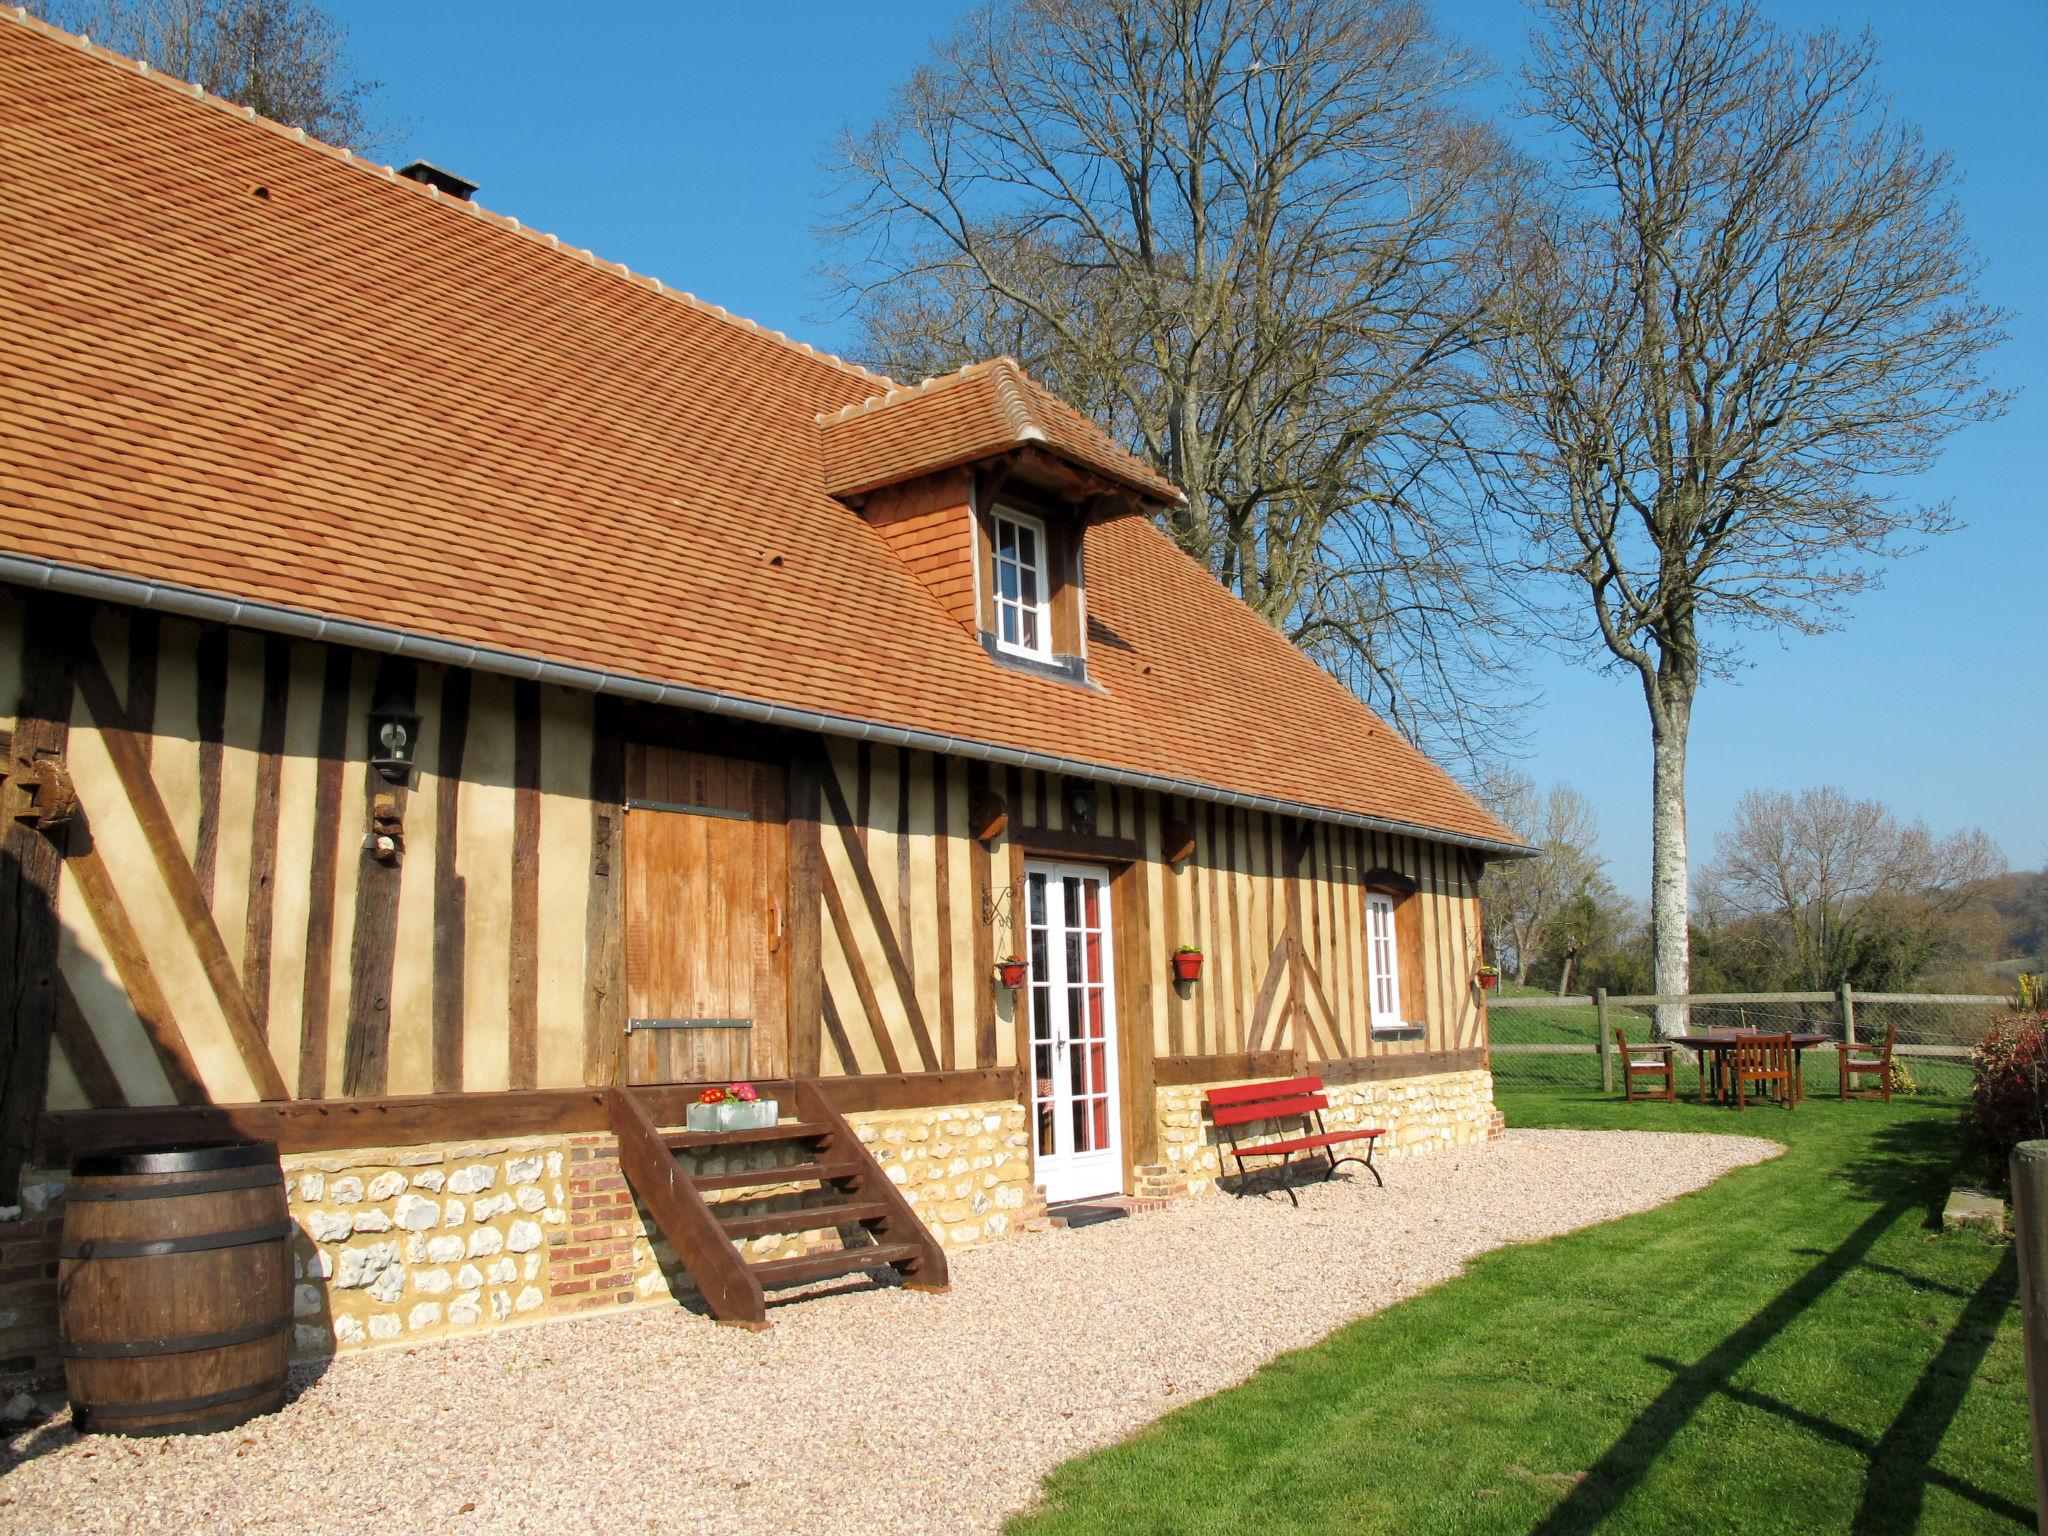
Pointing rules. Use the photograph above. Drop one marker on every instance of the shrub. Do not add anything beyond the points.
(2008, 1089)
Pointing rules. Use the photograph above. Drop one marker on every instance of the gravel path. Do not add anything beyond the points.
(862, 1411)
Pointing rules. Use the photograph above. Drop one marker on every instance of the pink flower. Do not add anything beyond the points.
(744, 1092)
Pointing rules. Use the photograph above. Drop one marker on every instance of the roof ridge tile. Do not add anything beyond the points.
(19, 16)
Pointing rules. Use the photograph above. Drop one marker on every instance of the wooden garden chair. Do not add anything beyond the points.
(1878, 1066)
(1767, 1061)
(1652, 1060)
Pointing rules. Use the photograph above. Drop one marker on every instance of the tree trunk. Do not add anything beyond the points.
(1670, 916)
(1564, 977)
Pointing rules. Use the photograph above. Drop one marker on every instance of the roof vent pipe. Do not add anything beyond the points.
(433, 176)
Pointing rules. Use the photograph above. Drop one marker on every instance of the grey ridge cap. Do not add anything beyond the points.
(191, 603)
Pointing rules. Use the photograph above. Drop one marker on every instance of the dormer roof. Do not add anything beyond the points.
(982, 411)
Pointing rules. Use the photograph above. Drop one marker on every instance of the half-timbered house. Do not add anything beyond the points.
(464, 696)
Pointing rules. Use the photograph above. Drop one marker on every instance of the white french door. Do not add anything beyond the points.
(1075, 1111)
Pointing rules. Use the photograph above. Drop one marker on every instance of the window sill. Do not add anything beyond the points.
(1058, 669)
(1399, 1031)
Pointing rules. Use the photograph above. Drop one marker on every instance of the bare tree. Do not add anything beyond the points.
(1521, 899)
(1243, 234)
(1749, 309)
(287, 59)
(1819, 867)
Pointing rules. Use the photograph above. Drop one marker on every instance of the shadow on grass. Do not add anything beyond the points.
(1615, 1475)
(1901, 1461)
(1913, 1161)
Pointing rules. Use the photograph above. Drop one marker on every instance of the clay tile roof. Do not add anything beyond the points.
(984, 409)
(252, 373)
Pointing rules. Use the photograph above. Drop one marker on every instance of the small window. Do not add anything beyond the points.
(1023, 603)
(1386, 967)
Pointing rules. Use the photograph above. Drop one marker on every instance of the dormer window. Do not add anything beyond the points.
(1022, 587)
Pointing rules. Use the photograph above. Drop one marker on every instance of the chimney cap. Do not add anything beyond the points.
(430, 175)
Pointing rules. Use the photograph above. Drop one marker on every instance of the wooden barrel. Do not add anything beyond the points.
(174, 1288)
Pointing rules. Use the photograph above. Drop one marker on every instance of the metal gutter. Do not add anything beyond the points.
(190, 603)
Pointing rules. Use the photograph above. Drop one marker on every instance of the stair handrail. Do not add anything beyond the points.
(926, 1272)
(728, 1286)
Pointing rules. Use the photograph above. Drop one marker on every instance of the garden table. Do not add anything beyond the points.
(1715, 1045)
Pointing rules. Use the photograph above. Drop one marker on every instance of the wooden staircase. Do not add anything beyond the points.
(877, 1226)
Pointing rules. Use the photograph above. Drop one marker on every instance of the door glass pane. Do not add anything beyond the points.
(1102, 1121)
(1036, 886)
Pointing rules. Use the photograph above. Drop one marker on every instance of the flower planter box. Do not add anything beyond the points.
(1488, 983)
(1010, 973)
(730, 1116)
(1187, 967)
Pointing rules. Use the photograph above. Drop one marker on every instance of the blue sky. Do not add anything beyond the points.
(685, 140)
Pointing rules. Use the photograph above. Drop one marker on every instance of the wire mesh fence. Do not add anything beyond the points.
(1553, 1044)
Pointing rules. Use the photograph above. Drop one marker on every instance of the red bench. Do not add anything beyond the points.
(1297, 1098)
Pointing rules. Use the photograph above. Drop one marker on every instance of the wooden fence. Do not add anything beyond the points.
(1933, 1027)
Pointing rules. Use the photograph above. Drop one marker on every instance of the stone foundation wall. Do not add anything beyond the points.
(406, 1244)
(1420, 1115)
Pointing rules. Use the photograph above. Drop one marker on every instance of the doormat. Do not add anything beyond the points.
(1089, 1213)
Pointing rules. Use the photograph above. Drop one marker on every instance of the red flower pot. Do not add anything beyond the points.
(1488, 983)
(1187, 967)
(1010, 973)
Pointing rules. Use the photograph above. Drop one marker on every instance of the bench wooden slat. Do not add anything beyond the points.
(1309, 1143)
(1268, 1109)
(1286, 1088)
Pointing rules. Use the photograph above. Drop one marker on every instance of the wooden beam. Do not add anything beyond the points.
(871, 896)
(211, 665)
(451, 890)
(31, 865)
(835, 1028)
(1396, 1064)
(139, 708)
(863, 986)
(802, 921)
(81, 1048)
(256, 932)
(604, 948)
(132, 967)
(1276, 972)
(1131, 919)
(373, 946)
(162, 836)
(942, 901)
(524, 985)
(336, 1125)
(316, 1000)
(1058, 843)
(980, 880)
(1190, 1071)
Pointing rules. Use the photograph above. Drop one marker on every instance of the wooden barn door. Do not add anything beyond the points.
(707, 869)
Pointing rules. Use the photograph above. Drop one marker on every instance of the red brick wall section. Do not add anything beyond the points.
(28, 1303)
(591, 1259)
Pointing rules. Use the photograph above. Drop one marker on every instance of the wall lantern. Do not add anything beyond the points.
(1080, 798)
(394, 736)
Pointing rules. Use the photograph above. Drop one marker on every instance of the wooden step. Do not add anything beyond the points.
(809, 1218)
(789, 1173)
(842, 1261)
(787, 1130)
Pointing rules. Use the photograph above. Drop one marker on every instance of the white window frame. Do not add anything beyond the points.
(1383, 956)
(1041, 572)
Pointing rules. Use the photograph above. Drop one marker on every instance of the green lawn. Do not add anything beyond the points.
(1794, 1349)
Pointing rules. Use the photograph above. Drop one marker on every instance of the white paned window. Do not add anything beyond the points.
(1386, 965)
(1023, 599)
